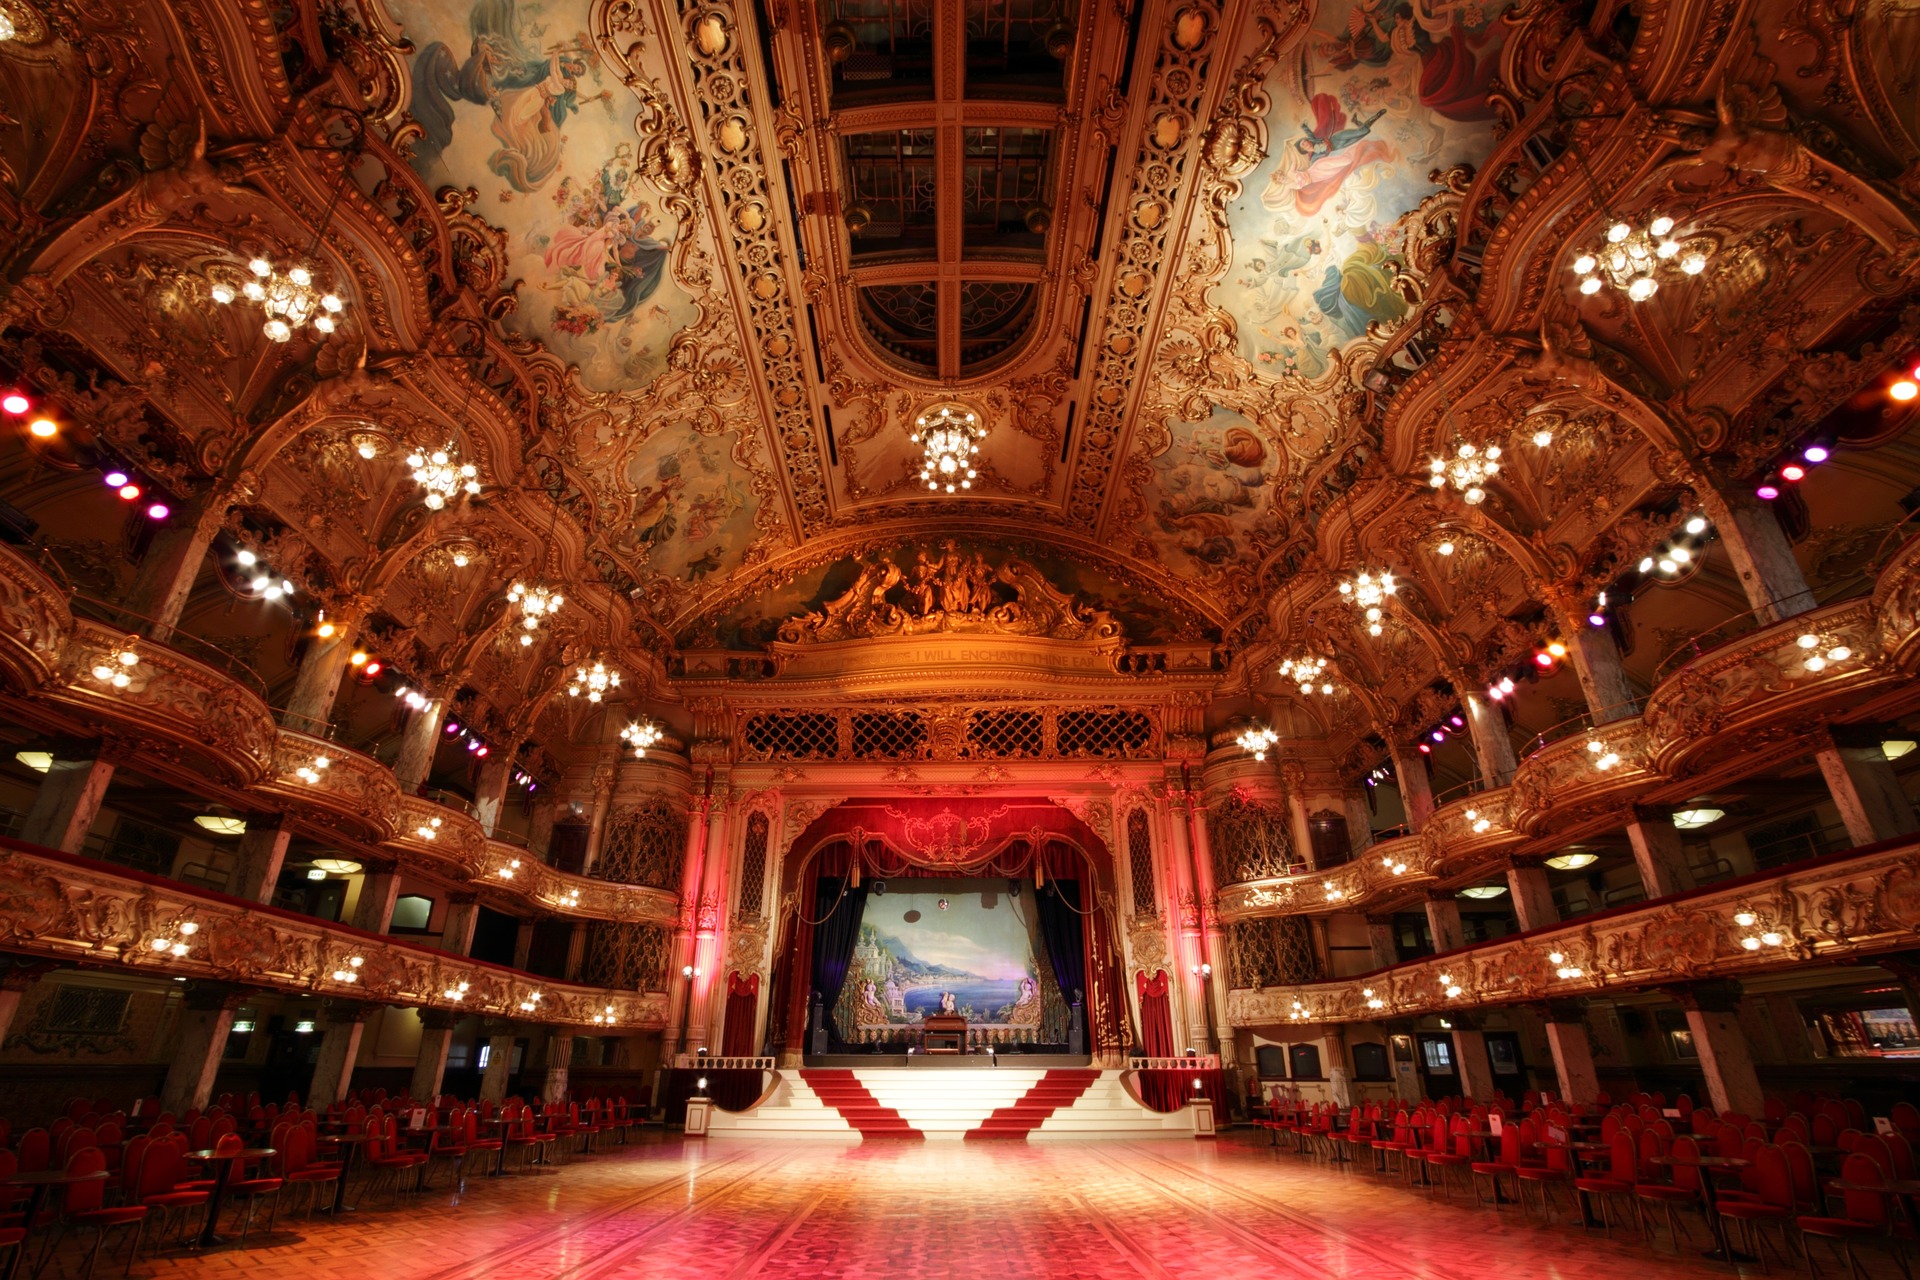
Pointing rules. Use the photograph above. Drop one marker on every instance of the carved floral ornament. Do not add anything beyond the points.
(1855, 908)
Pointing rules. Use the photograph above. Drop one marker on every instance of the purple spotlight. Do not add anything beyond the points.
(453, 727)
(158, 511)
(1596, 619)
(1816, 453)
(1458, 723)
(1767, 492)
(1439, 735)
(115, 479)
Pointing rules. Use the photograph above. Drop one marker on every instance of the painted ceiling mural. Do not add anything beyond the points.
(1377, 96)
(515, 102)
(1213, 498)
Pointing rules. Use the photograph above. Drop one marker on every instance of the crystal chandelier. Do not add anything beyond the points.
(949, 436)
(642, 734)
(593, 681)
(1258, 740)
(1468, 470)
(442, 476)
(290, 299)
(1633, 258)
(1369, 591)
(538, 603)
(1306, 672)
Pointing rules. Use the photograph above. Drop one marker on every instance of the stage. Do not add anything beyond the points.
(951, 1061)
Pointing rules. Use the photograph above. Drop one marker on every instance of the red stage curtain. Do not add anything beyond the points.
(743, 1007)
(1159, 1089)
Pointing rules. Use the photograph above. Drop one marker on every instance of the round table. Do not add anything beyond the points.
(1722, 1251)
(350, 1143)
(41, 1181)
(223, 1171)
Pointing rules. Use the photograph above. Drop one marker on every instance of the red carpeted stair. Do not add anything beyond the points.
(1052, 1091)
(840, 1090)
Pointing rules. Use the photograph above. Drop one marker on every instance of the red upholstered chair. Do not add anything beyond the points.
(36, 1150)
(448, 1144)
(1514, 1140)
(162, 1187)
(302, 1168)
(1906, 1118)
(1866, 1217)
(484, 1144)
(1396, 1146)
(385, 1159)
(1773, 1201)
(83, 1206)
(1661, 1188)
(250, 1186)
(1622, 1165)
(1452, 1150)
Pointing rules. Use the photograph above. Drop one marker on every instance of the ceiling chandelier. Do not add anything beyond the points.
(1633, 258)
(1306, 672)
(1369, 592)
(289, 298)
(1468, 470)
(949, 436)
(642, 734)
(538, 603)
(1259, 739)
(443, 476)
(593, 681)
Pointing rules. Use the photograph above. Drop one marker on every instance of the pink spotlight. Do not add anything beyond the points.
(1767, 492)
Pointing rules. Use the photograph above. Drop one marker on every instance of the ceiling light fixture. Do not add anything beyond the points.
(1258, 739)
(1572, 861)
(642, 734)
(1369, 592)
(290, 298)
(1696, 817)
(1483, 892)
(949, 436)
(1468, 470)
(1306, 671)
(337, 866)
(442, 474)
(593, 681)
(221, 824)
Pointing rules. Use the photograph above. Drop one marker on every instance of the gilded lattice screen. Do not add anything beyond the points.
(626, 957)
(984, 733)
(1140, 863)
(753, 867)
(1271, 953)
(644, 845)
(1249, 840)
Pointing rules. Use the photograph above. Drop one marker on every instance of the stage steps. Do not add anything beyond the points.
(1054, 1091)
(948, 1105)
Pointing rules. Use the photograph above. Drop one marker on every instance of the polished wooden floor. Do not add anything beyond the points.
(670, 1208)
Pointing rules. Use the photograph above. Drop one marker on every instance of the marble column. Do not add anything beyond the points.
(523, 945)
(679, 987)
(1865, 790)
(462, 917)
(436, 1042)
(419, 743)
(379, 890)
(1299, 829)
(1414, 782)
(576, 951)
(1487, 725)
(709, 924)
(1597, 663)
(1380, 942)
(540, 837)
(1188, 911)
(1333, 1060)
(493, 1079)
(173, 560)
(1532, 896)
(1470, 1056)
(263, 851)
(1579, 1081)
(1726, 1059)
(69, 799)
(559, 1058)
(15, 978)
(316, 685)
(199, 1041)
(344, 1022)
(1443, 922)
(1213, 939)
(1658, 853)
(604, 776)
(1760, 554)
(490, 788)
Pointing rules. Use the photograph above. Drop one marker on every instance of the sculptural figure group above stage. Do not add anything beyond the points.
(953, 592)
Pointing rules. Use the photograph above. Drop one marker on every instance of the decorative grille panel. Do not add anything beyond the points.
(626, 957)
(1007, 735)
(1249, 840)
(803, 736)
(889, 735)
(86, 1010)
(644, 845)
(753, 868)
(1140, 862)
(1105, 734)
(1271, 953)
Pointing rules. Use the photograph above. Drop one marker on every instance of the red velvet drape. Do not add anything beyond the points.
(1159, 1089)
(743, 1009)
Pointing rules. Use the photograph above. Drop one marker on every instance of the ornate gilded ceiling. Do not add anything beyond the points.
(1219, 277)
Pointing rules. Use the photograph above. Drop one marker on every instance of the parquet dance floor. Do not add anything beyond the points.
(903, 1211)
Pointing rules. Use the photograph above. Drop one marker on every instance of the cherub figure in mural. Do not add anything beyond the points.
(606, 258)
(1269, 280)
(1360, 289)
(531, 93)
(1313, 171)
(1456, 42)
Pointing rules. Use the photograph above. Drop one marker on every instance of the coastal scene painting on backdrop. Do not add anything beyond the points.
(1378, 95)
(515, 103)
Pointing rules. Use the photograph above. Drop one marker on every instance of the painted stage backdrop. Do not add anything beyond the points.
(967, 939)
(516, 104)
